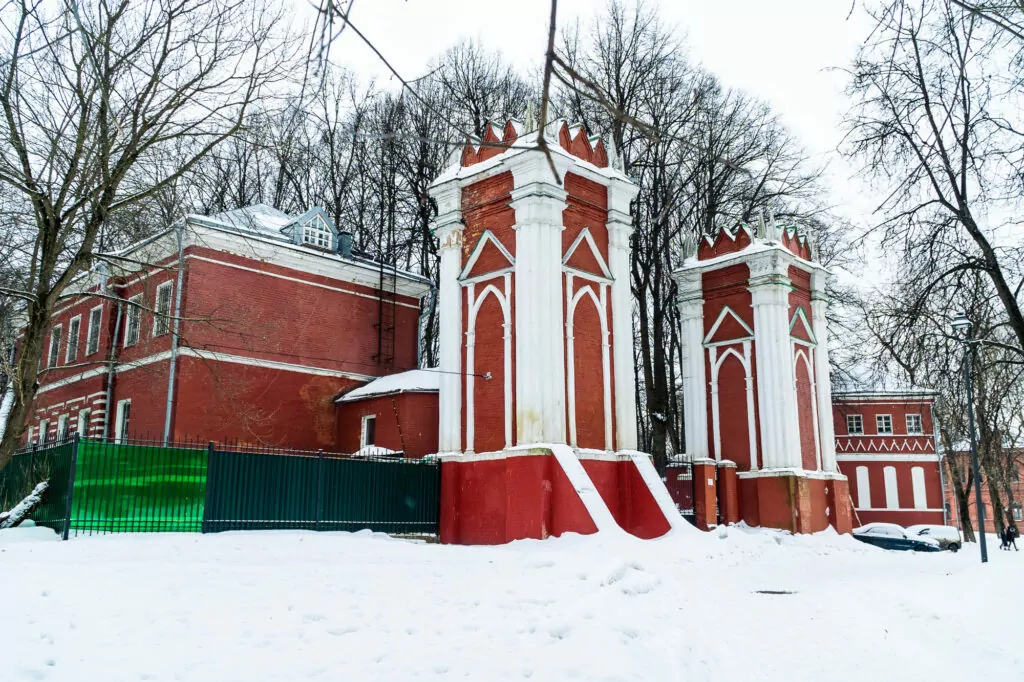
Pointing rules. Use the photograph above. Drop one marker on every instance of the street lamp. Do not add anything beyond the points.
(962, 330)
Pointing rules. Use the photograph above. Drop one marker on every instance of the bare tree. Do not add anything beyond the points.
(937, 121)
(91, 91)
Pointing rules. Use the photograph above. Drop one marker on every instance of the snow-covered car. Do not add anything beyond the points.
(948, 537)
(892, 536)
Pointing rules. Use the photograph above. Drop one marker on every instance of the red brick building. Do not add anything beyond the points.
(1013, 502)
(268, 320)
(885, 445)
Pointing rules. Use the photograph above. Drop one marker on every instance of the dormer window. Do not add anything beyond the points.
(317, 233)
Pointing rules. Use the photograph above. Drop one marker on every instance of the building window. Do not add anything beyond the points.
(914, 425)
(368, 434)
(883, 422)
(161, 321)
(920, 494)
(863, 488)
(83, 423)
(1018, 512)
(131, 330)
(124, 412)
(51, 360)
(892, 495)
(74, 331)
(316, 233)
(44, 430)
(62, 428)
(854, 424)
(92, 339)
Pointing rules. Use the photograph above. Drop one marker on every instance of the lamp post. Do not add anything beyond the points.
(962, 328)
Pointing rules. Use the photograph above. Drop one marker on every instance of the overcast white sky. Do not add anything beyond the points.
(782, 51)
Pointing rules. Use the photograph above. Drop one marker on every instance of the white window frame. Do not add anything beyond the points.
(74, 335)
(363, 431)
(53, 357)
(892, 490)
(920, 490)
(31, 433)
(120, 425)
(1018, 512)
(44, 430)
(82, 428)
(850, 420)
(863, 488)
(918, 429)
(162, 319)
(878, 424)
(134, 310)
(91, 340)
(62, 428)
(315, 232)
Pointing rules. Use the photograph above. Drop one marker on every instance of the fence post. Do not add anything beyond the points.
(319, 485)
(71, 487)
(206, 492)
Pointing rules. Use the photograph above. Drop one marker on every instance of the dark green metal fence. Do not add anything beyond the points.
(318, 491)
(32, 466)
(189, 487)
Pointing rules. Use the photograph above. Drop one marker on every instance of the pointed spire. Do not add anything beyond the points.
(760, 230)
(614, 158)
(530, 122)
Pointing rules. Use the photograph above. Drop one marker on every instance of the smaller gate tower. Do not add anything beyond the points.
(537, 409)
(757, 393)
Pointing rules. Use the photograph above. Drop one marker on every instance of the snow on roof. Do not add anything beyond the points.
(413, 381)
(257, 218)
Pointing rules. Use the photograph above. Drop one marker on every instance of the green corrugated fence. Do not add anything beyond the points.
(131, 488)
(188, 487)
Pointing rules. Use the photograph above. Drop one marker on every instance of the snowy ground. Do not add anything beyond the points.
(334, 606)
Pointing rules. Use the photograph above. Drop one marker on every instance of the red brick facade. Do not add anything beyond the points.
(885, 446)
(271, 332)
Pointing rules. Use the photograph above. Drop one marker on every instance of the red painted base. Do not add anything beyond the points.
(705, 495)
(795, 502)
(494, 501)
(728, 493)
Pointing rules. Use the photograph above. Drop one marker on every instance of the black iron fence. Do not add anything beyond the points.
(137, 486)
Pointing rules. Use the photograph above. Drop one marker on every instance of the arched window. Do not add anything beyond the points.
(317, 233)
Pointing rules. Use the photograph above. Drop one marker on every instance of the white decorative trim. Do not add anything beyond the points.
(600, 302)
(487, 276)
(800, 354)
(802, 316)
(727, 312)
(897, 509)
(889, 444)
(789, 471)
(585, 236)
(475, 302)
(485, 237)
(206, 355)
(884, 457)
(297, 280)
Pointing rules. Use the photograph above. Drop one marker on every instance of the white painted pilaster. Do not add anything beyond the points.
(777, 406)
(620, 227)
(449, 228)
(540, 348)
(695, 411)
(823, 381)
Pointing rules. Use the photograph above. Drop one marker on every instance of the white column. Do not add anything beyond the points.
(448, 227)
(620, 226)
(695, 410)
(823, 381)
(776, 393)
(539, 317)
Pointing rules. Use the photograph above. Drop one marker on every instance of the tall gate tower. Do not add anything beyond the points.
(537, 408)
